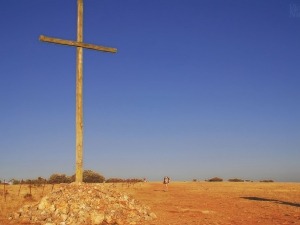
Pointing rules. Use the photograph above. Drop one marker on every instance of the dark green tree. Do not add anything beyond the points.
(58, 178)
(90, 176)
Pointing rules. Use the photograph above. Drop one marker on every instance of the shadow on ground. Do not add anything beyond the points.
(272, 200)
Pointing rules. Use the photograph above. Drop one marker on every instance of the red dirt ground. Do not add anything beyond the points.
(202, 203)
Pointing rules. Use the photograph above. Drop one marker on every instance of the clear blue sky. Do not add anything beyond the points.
(198, 88)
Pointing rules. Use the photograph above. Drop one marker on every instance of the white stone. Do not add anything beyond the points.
(97, 218)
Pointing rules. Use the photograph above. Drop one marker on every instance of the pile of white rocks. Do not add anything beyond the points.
(84, 204)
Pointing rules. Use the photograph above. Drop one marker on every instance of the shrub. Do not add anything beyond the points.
(90, 176)
(235, 180)
(134, 180)
(266, 181)
(59, 178)
(14, 181)
(114, 180)
(120, 180)
(28, 196)
(215, 179)
(39, 181)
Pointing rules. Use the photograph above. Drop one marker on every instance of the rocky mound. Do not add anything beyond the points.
(87, 204)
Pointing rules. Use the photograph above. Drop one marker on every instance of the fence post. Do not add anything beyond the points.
(45, 181)
(20, 187)
(4, 191)
(30, 187)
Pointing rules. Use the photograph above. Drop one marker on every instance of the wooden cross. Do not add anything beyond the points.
(79, 111)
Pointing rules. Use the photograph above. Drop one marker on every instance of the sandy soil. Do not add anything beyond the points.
(199, 203)
(223, 203)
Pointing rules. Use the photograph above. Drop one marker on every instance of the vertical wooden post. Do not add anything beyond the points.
(30, 187)
(20, 187)
(79, 105)
(44, 184)
(4, 192)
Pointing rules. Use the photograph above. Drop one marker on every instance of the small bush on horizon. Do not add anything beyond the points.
(215, 179)
(120, 180)
(235, 180)
(267, 181)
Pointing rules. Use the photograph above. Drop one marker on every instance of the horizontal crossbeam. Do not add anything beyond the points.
(77, 44)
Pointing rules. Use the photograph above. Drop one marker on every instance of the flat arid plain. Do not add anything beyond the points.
(193, 203)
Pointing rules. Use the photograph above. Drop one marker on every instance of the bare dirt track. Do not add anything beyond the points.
(198, 203)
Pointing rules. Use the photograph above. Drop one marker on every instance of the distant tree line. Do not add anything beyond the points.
(120, 180)
(89, 176)
(218, 179)
(267, 181)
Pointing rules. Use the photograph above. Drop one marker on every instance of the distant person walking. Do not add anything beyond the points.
(166, 182)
